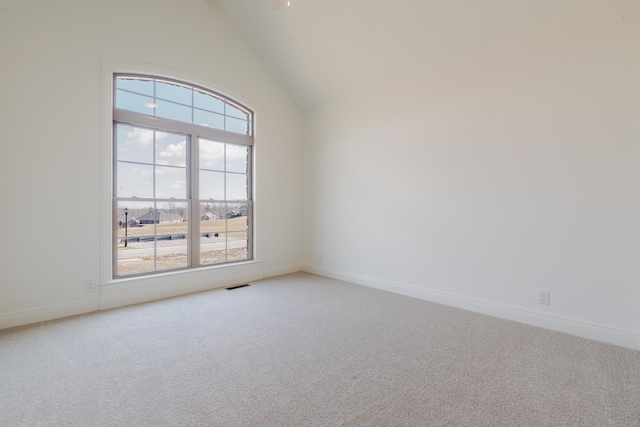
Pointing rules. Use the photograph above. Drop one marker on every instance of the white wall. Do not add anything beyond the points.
(51, 59)
(507, 169)
(474, 182)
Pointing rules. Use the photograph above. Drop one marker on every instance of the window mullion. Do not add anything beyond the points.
(114, 236)
(155, 207)
(194, 191)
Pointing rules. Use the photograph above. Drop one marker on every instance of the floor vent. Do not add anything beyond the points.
(236, 287)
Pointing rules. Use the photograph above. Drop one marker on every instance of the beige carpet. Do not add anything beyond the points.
(301, 350)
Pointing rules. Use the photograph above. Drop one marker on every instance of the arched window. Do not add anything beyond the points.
(182, 194)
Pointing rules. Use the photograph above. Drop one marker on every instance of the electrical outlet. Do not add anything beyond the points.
(320, 259)
(544, 297)
(89, 286)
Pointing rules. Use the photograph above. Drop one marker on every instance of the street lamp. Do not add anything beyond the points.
(126, 225)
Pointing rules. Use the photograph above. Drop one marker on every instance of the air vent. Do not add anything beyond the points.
(237, 287)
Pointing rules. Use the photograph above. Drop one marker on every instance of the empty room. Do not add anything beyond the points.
(320, 212)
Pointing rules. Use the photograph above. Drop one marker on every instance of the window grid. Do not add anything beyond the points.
(196, 231)
(228, 106)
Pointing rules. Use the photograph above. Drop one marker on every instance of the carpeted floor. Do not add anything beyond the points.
(302, 350)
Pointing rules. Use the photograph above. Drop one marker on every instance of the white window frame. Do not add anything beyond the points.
(109, 215)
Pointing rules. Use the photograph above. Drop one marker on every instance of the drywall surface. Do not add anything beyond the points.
(477, 181)
(51, 140)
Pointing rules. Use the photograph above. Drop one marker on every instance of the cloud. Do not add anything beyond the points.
(179, 185)
(140, 136)
(143, 171)
(236, 158)
(173, 154)
(211, 154)
(235, 152)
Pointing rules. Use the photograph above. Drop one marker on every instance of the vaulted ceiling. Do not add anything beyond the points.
(321, 50)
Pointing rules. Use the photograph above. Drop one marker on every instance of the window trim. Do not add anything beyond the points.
(110, 69)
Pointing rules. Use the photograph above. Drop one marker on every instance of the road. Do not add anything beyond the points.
(166, 247)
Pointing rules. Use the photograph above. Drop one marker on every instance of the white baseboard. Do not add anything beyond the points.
(151, 288)
(144, 289)
(126, 293)
(43, 314)
(279, 271)
(544, 320)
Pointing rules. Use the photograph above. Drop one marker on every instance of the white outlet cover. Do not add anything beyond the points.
(544, 297)
(89, 286)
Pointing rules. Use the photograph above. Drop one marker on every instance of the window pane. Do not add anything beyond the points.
(134, 180)
(171, 149)
(211, 155)
(171, 110)
(213, 225)
(211, 185)
(135, 247)
(213, 249)
(209, 212)
(235, 112)
(236, 246)
(237, 158)
(133, 102)
(237, 232)
(144, 87)
(236, 186)
(207, 102)
(171, 182)
(237, 215)
(236, 125)
(206, 118)
(172, 236)
(134, 144)
(218, 212)
(175, 93)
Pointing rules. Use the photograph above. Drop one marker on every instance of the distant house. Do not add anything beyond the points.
(159, 217)
(132, 222)
(240, 211)
(208, 216)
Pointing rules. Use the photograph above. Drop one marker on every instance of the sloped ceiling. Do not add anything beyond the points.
(321, 50)
(6, 4)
